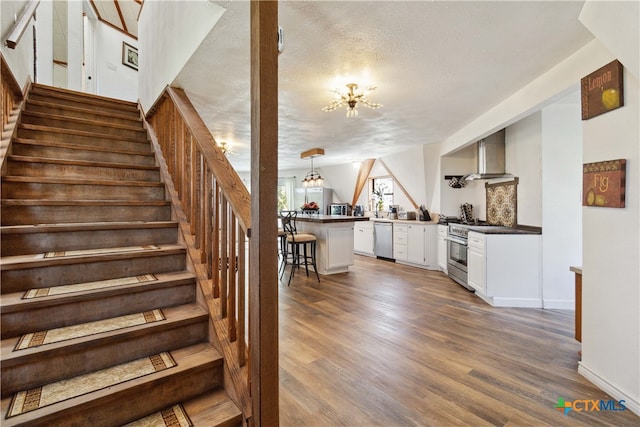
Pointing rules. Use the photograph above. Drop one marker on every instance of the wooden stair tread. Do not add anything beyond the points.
(199, 357)
(75, 181)
(79, 109)
(82, 97)
(88, 134)
(173, 316)
(213, 409)
(138, 128)
(36, 260)
(19, 202)
(93, 164)
(13, 302)
(65, 228)
(81, 147)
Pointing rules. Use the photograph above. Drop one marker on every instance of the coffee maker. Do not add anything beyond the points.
(358, 210)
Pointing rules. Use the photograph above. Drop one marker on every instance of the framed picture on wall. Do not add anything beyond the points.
(129, 56)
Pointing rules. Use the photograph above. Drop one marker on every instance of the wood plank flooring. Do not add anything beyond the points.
(392, 345)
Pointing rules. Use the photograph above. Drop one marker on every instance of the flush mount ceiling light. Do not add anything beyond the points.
(351, 98)
(313, 178)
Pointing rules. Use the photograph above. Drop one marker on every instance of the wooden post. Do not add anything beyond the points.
(263, 272)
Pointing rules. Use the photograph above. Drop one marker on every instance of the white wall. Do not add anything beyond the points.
(166, 48)
(546, 89)
(523, 153)
(20, 59)
(112, 78)
(44, 30)
(561, 200)
(74, 45)
(432, 176)
(461, 162)
(611, 258)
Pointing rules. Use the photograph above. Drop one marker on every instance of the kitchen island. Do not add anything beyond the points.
(334, 252)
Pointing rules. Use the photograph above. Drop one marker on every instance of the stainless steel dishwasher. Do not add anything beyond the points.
(383, 239)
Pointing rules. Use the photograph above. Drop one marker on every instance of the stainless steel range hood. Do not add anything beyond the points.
(491, 158)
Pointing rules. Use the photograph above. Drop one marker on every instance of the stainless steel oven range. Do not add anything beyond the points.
(457, 254)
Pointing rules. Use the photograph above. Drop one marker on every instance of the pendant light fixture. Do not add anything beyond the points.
(313, 178)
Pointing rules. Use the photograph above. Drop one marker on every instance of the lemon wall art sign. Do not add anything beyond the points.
(603, 184)
(602, 90)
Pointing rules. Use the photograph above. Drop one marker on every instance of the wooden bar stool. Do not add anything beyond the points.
(300, 248)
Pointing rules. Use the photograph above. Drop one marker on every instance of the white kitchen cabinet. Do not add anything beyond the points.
(400, 238)
(476, 263)
(505, 269)
(443, 231)
(339, 250)
(363, 238)
(415, 244)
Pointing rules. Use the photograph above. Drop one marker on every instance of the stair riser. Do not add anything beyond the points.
(81, 359)
(19, 190)
(83, 114)
(56, 170)
(101, 307)
(20, 280)
(127, 405)
(82, 126)
(92, 139)
(25, 215)
(37, 243)
(52, 152)
(80, 102)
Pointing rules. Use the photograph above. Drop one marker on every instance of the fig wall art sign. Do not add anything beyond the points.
(603, 184)
(602, 90)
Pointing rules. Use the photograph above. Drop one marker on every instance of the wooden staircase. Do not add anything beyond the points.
(84, 217)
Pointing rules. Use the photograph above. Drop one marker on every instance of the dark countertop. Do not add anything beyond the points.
(329, 218)
(495, 229)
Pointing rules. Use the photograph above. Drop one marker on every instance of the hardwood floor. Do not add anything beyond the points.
(392, 345)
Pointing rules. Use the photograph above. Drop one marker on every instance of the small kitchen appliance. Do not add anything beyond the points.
(339, 209)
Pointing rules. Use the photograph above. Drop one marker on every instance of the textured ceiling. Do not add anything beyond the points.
(437, 65)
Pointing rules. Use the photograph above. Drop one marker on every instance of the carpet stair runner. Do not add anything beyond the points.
(100, 319)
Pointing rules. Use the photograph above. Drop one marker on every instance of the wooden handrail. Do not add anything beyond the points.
(214, 213)
(21, 24)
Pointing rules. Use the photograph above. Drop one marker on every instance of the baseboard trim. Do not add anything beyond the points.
(633, 404)
(559, 304)
(516, 302)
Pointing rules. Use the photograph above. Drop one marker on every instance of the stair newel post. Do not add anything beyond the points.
(263, 265)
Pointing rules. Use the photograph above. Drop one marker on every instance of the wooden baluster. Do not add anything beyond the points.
(242, 281)
(206, 235)
(232, 277)
(197, 200)
(224, 258)
(178, 176)
(171, 139)
(193, 188)
(185, 161)
(215, 239)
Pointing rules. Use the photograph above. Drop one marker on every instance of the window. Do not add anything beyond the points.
(285, 194)
(381, 193)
